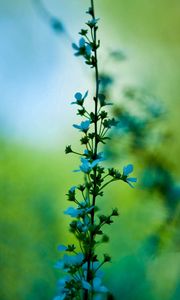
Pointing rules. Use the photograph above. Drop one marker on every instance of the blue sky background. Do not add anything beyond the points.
(39, 74)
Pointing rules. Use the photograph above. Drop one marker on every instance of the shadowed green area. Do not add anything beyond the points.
(28, 191)
(150, 33)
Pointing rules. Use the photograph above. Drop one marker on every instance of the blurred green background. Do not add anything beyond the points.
(38, 78)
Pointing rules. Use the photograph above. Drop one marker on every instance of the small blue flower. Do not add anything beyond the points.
(82, 42)
(59, 265)
(86, 152)
(126, 171)
(97, 287)
(73, 188)
(62, 281)
(73, 259)
(84, 126)
(73, 212)
(78, 48)
(92, 22)
(95, 268)
(88, 50)
(83, 48)
(131, 179)
(62, 290)
(61, 297)
(95, 162)
(80, 98)
(86, 166)
(84, 226)
(69, 260)
(62, 248)
(86, 285)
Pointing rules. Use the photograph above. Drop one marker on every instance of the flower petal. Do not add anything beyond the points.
(62, 248)
(72, 189)
(75, 46)
(86, 285)
(73, 212)
(128, 169)
(82, 42)
(132, 179)
(77, 126)
(78, 96)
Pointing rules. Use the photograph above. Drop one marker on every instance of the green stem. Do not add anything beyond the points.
(106, 184)
(81, 154)
(87, 295)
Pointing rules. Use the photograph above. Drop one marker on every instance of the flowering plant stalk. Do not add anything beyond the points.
(82, 264)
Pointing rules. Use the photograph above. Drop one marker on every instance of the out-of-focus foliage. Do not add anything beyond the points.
(142, 134)
(29, 191)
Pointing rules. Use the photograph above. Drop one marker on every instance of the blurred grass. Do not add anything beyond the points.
(30, 228)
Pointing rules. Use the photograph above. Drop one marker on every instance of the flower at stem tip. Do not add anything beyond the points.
(80, 98)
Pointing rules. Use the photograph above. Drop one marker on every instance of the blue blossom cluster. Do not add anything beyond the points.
(74, 266)
(83, 279)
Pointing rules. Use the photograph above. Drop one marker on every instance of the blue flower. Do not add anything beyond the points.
(73, 212)
(91, 23)
(73, 259)
(95, 268)
(69, 260)
(126, 171)
(97, 287)
(80, 98)
(62, 281)
(84, 226)
(86, 285)
(62, 289)
(59, 265)
(86, 166)
(61, 297)
(86, 151)
(73, 188)
(62, 248)
(82, 42)
(84, 126)
(79, 212)
(88, 50)
(83, 48)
